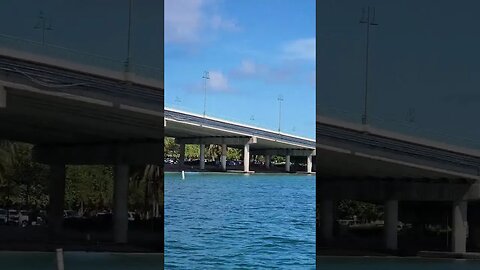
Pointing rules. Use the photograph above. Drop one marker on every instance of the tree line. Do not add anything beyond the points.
(24, 184)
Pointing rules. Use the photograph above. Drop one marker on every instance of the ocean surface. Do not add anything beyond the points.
(236, 221)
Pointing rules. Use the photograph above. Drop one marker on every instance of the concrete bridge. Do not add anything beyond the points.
(364, 163)
(189, 128)
(81, 112)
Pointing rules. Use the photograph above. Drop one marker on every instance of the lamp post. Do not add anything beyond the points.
(368, 21)
(280, 99)
(42, 24)
(129, 32)
(206, 76)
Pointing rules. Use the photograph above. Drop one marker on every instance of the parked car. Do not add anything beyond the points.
(23, 218)
(13, 216)
(131, 216)
(3, 216)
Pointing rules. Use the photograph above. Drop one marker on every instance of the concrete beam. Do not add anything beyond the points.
(234, 141)
(401, 189)
(284, 152)
(139, 153)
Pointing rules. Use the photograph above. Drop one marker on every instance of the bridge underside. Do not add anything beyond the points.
(358, 165)
(76, 118)
(190, 131)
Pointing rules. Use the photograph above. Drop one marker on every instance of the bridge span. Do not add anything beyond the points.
(80, 113)
(367, 164)
(190, 128)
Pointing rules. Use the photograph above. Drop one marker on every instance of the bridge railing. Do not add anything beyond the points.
(398, 126)
(264, 121)
(40, 49)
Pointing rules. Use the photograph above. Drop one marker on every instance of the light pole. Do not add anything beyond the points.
(127, 61)
(368, 21)
(206, 76)
(280, 99)
(42, 24)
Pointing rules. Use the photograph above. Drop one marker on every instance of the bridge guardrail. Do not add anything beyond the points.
(77, 57)
(238, 128)
(396, 125)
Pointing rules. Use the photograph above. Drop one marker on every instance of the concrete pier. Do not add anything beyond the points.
(327, 219)
(246, 157)
(390, 216)
(57, 199)
(181, 159)
(309, 163)
(202, 156)
(267, 161)
(120, 201)
(287, 163)
(459, 226)
(223, 158)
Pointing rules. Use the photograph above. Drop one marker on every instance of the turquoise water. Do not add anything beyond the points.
(236, 221)
(343, 263)
(80, 261)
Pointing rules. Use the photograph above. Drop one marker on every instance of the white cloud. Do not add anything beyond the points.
(247, 67)
(188, 21)
(218, 81)
(300, 49)
(183, 20)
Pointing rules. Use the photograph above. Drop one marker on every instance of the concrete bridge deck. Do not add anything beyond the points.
(190, 128)
(364, 163)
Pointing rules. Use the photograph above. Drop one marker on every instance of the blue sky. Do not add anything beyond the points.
(424, 66)
(254, 50)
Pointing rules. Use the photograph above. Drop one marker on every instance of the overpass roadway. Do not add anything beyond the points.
(364, 163)
(78, 114)
(190, 128)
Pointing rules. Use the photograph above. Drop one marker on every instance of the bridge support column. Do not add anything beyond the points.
(181, 159)
(223, 158)
(326, 219)
(202, 156)
(390, 216)
(3, 97)
(309, 163)
(267, 161)
(246, 158)
(120, 201)
(287, 163)
(57, 200)
(460, 226)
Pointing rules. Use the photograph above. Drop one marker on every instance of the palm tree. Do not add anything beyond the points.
(7, 162)
(152, 177)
